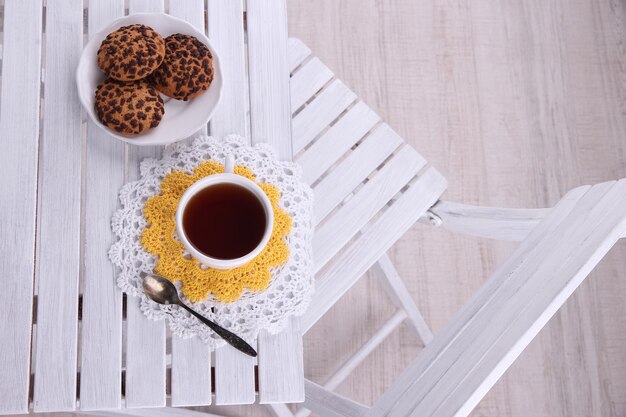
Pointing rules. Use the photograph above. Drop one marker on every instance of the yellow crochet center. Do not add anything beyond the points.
(226, 285)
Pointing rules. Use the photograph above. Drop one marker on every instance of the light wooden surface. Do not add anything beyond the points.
(101, 341)
(339, 228)
(19, 127)
(268, 74)
(58, 253)
(348, 174)
(515, 103)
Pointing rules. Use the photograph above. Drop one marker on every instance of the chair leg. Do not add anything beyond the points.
(280, 410)
(400, 296)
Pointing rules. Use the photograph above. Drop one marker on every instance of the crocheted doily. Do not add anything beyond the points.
(291, 283)
(175, 263)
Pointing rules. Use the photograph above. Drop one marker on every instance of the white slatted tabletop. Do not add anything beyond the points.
(91, 346)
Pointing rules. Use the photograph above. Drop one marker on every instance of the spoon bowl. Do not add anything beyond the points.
(160, 290)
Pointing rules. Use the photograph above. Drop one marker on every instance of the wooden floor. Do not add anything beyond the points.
(515, 102)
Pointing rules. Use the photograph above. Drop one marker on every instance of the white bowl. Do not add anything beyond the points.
(181, 118)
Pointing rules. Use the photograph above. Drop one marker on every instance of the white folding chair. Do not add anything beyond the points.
(370, 188)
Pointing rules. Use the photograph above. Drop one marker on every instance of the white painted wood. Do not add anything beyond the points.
(101, 331)
(145, 339)
(226, 33)
(357, 257)
(191, 372)
(307, 81)
(504, 316)
(280, 410)
(191, 11)
(302, 411)
(336, 141)
(401, 297)
(357, 358)
(268, 73)
(328, 404)
(281, 365)
(368, 347)
(353, 170)
(19, 127)
(346, 222)
(490, 222)
(145, 6)
(320, 113)
(145, 358)
(191, 359)
(234, 377)
(297, 53)
(395, 392)
(581, 242)
(234, 372)
(58, 246)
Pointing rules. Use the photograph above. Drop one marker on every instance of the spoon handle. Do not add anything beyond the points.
(230, 337)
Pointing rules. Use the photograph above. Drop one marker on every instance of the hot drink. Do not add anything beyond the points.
(224, 221)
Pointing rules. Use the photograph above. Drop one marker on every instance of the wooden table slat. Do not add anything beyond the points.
(19, 126)
(234, 377)
(101, 343)
(58, 246)
(268, 73)
(145, 358)
(226, 31)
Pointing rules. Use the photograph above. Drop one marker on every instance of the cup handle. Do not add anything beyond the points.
(229, 164)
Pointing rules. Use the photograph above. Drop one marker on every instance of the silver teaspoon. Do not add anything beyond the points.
(162, 291)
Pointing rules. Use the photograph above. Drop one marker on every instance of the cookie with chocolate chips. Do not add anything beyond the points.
(129, 108)
(131, 53)
(187, 69)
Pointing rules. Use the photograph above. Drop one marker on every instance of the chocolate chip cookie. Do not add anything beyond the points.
(129, 108)
(187, 69)
(131, 53)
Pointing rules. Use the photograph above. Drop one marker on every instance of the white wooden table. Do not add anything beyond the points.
(69, 339)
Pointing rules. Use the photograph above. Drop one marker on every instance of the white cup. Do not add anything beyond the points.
(228, 177)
